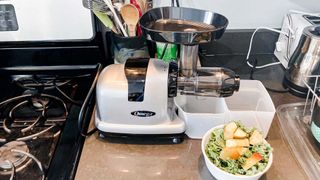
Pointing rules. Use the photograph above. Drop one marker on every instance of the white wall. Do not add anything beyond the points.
(249, 14)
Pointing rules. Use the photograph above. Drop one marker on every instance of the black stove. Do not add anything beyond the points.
(44, 116)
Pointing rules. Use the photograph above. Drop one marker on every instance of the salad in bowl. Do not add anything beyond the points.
(233, 151)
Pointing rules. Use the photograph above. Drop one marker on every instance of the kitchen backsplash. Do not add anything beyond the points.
(249, 14)
(236, 42)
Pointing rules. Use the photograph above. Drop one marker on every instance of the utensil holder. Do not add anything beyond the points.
(124, 48)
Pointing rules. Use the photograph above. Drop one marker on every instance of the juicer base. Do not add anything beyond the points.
(142, 138)
(175, 126)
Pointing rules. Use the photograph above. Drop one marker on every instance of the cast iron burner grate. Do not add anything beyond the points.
(39, 112)
(28, 116)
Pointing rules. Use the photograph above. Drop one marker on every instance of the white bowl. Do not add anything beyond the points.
(219, 173)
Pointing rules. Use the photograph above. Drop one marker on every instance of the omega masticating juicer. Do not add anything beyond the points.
(135, 99)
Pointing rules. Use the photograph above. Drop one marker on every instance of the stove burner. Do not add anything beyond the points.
(25, 114)
(15, 156)
(40, 110)
(17, 159)
(31, 157)
(11, 119)
(33, 82)
(40, 103)
(37, 84)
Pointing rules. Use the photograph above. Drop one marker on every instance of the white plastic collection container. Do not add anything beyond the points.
(252, 105)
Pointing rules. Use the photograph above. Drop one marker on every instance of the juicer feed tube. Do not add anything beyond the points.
(188, 60)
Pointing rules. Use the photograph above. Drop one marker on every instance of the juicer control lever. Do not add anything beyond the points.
(172, 79)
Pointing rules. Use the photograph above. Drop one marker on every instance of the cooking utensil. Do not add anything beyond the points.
(145, 5)
(130, 15)
(148, 4)
(96, 5)
(118, 6)
(104, 18)
(110, 6)
(141, 5)
(304, 61)
(138, 6)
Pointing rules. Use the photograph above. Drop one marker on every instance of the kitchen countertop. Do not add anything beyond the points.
(101, 159)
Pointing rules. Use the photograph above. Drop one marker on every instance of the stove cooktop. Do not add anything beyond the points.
(41, 112)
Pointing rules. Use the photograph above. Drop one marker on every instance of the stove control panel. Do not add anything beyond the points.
(45, 20)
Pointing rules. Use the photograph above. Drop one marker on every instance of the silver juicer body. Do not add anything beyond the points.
(137, 97)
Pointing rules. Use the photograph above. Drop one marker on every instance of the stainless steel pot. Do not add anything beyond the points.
(305, 61)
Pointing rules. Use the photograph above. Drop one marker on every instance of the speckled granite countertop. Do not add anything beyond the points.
(101, 159)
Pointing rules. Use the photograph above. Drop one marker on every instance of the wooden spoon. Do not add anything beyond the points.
(130, 15)
(141, 5)
(145, 5)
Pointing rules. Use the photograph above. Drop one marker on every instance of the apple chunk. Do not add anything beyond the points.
(237, 142)
(229, 153)
(251, 161)
(229, 130)
(256, 138)
(232, 152)
(240, 134)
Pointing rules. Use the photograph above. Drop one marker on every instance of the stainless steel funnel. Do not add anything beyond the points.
(185, 26)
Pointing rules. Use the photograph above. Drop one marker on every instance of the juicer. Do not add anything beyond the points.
(136, 98)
